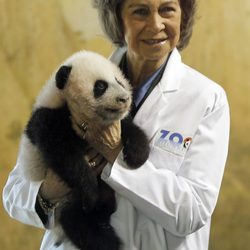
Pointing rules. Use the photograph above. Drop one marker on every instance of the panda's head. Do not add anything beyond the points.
(94, 88)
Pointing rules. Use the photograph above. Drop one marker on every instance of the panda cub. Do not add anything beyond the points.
(86, 87)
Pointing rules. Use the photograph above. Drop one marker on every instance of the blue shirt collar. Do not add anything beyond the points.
(140, 92)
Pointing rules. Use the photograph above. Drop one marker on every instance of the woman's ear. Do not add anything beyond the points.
(62, 76)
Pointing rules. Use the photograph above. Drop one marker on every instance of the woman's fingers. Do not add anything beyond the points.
(98, 169)
(95, 160)
(53, 188)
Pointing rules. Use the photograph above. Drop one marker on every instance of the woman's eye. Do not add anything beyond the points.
(141, 12)
(166, 10)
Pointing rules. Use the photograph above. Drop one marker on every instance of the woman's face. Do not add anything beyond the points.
(151, 27)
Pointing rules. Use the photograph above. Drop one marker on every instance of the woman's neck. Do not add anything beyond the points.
(139, 70)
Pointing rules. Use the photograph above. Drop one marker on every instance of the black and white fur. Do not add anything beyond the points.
(85, 85)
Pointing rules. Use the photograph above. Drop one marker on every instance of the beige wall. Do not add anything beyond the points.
(37, 35)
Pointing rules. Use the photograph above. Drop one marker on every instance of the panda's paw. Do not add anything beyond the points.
(135, 155)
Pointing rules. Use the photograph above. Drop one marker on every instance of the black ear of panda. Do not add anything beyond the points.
(62, 76)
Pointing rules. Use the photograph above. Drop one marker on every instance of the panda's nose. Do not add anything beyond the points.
(121, 99)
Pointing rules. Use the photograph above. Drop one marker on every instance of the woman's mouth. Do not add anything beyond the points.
(155, 41)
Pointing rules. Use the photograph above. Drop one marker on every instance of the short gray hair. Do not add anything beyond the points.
(110, 17)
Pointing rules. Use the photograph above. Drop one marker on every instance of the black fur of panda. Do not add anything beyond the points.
(86, 85)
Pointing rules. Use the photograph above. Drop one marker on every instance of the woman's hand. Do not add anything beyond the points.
(95, 161)
(104, 139)
(53, 188)
(108, 141)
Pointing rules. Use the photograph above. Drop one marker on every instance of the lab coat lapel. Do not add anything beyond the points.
(117, 55)
(168, 85)
(173, 73)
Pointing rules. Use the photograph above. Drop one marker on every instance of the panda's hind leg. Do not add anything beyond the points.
(88, 231)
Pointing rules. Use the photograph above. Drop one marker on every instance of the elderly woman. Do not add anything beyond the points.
(167, 203)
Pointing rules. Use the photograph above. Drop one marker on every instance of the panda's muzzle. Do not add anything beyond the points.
(122, 103)
(122, 99)
(119, 107)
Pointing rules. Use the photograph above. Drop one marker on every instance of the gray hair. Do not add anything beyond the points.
(110, 17)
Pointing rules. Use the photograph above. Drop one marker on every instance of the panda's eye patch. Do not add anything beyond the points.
(100, 88)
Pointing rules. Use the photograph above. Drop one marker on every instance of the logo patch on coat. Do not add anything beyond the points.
(173, 142)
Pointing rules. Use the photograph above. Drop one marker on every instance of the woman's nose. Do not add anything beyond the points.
(156, 23)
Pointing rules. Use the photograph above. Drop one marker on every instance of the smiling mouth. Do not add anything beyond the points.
(155, 41)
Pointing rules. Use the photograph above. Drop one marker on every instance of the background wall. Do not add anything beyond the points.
(37, 35)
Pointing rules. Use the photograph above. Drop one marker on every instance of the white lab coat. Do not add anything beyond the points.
(167, 203)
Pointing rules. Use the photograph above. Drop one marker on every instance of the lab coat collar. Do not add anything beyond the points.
(172, 75)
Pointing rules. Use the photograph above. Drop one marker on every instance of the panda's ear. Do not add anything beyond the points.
(62, 76)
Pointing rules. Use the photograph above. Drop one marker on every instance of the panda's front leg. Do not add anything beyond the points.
(136, 145)
(82, 179)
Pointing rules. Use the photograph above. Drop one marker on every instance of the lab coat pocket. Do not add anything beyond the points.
(163, 159)
(168, 149)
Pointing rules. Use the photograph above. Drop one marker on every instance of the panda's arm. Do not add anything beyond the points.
(51, 131)
(135, 142)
